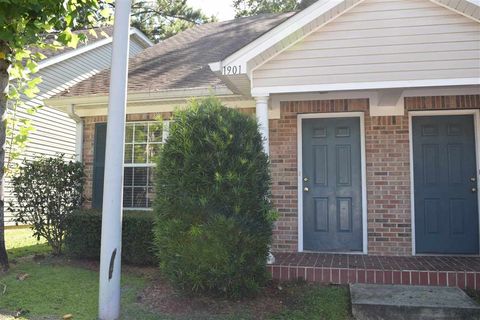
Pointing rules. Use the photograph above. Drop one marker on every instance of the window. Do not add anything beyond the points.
(143, 141)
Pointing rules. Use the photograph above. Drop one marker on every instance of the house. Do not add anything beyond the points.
(370, 111)
(55, 131)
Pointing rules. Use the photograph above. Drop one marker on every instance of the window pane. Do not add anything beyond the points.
(141, 132)
(139, 197)
(151, 176)
(128, 153)
(153, 150)
(140, 153)
(140, 177)
(129, 133)
(128, 176)
(128, 197)
(150, 197)
(155, 132)
(166, 130)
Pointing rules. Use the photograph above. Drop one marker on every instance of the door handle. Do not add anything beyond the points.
(305, 189)
(474, 190)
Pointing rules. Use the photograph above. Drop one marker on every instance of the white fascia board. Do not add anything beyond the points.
(164, 95)
(140, 35)
(473, 16)
(216, 66)
(265, 91)
(70, 54)
(277, 34)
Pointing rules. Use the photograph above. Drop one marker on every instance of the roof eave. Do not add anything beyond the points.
(299, 26)
(287, 33)
(70, 54)
(60, 102)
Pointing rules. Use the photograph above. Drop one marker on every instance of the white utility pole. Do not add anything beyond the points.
(111, 249)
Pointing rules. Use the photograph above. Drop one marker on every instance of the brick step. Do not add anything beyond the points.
(460, 279)
(386, 302)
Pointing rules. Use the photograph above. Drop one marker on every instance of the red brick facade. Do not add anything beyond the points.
(387, 163)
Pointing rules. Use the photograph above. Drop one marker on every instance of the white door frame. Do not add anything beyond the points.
(363, 167)
(411, 114)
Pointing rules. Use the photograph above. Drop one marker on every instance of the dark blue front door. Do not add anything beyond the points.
(332, 193)
(446, 205)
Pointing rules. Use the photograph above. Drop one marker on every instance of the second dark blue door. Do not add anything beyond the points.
(446, 207)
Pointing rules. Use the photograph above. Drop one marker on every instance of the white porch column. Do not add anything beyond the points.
(111, 248)
(261, 111)
(262, 116)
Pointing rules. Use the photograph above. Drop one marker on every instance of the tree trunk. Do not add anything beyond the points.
(4, 64)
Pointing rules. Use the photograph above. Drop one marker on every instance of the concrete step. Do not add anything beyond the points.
(398, 302)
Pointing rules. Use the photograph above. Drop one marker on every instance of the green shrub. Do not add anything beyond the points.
(47, 191)
(84, 229)
(213, 220)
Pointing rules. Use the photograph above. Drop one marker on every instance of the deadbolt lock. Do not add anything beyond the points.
(473, 179)
(305, 179)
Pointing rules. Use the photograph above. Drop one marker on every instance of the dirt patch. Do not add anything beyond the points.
(160, 297)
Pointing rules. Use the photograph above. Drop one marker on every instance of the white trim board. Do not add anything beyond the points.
(294, 29)
(363, 167)
(265, 91)
(93, 45)
(411, 114)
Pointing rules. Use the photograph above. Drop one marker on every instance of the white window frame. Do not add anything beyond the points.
(165, 127)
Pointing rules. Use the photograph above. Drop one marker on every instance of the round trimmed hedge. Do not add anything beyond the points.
(213, 217)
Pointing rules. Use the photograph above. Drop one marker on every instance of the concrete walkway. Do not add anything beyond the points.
(386, 302)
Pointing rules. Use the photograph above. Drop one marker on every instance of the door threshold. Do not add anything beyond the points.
(335, 252)
(466, 255)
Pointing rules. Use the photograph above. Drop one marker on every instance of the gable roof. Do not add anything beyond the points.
(307, 21)
(181, 62)
(194, 59)
(103, 36)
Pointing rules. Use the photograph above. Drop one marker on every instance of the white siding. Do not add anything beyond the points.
(380, 40)
(54, 131)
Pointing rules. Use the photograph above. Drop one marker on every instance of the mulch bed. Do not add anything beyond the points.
(160, 297)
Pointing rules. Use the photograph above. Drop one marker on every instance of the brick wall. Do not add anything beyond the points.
(387, 162)
(388, 167)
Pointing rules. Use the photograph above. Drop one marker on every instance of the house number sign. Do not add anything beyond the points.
(232, 70)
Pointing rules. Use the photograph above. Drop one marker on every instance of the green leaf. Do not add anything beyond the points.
(106, 12)
(34, 82)
(73, 41)
(68, 19)
(40, 56)
(32, 66)
(31, 92)
(22, 54)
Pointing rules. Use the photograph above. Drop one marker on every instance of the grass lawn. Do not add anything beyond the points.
(57, 286)
(20, 242)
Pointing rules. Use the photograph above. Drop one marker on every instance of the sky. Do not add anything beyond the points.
(221, 8)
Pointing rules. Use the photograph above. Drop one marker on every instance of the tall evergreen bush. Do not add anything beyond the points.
(213, 214)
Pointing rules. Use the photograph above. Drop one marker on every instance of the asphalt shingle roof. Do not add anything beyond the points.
(181, 61)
